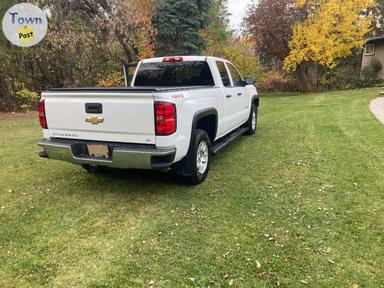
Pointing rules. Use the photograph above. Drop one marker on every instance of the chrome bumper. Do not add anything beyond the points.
(123, 156)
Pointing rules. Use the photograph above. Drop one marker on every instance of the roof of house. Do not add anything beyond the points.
(375, 39)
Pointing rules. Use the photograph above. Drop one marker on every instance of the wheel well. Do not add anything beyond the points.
(208, 124)
(256, 102)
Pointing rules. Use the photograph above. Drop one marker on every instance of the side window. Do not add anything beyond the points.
(236, 78)
(223, 73)
(369, 49)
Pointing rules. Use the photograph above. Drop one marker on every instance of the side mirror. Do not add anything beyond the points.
(250, 80)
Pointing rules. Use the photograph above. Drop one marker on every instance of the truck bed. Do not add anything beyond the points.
(128, 89)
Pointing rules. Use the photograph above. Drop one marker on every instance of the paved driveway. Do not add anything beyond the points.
(377, 108)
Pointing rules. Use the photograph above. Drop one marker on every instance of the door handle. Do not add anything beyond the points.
(229, 96)
(239, 94)
(94, 108)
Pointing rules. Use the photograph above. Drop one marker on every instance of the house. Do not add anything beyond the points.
(374, 49)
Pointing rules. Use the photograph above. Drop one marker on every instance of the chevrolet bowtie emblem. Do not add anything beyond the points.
(94, 120)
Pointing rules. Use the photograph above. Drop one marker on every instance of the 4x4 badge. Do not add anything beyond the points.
(94, 120)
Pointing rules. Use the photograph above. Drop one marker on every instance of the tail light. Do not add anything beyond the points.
(42, 116)
(165, 118)
(173, 59)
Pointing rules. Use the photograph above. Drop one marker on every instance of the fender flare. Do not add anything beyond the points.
(197, 116)
(255, 98)
(204, 113)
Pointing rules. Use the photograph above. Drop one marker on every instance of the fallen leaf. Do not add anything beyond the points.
(304, 282)
(226, 254)
(258, 265)
(326, 250)
(355, 285)
(230, 283)
(264, 274)
(151, 284)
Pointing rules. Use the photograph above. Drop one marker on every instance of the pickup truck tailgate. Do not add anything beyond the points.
(125, 116)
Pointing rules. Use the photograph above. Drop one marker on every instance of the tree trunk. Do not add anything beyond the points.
(308, 76)
(6, 104)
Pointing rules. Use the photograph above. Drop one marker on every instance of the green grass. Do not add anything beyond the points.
(301, 204)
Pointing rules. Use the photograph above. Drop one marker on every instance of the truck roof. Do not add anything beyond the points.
(185, 58)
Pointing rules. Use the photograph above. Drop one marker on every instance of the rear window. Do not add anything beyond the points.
(174, 74)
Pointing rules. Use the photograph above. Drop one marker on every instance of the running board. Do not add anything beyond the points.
(223, 142)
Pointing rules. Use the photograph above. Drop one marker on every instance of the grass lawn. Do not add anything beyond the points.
(300, 204)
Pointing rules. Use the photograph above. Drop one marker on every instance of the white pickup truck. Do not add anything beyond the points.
(177, 112)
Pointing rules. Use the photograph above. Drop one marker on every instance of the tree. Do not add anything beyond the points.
(332, 30)
(221, 42)
(87, 41)
(240, 51)
(269, 23)
(178, 24)
(377, 13)
(217, 32)
(126, 23)
(11, 65)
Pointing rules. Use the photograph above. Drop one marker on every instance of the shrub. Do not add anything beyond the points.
(115, 79)
(370, 73)
(26, 99)
(277, 82)
(342, 77)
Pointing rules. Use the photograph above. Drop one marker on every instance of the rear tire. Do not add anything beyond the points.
(251, 123)
(195, 165)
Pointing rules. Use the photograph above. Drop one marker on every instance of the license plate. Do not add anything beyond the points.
(98, 150)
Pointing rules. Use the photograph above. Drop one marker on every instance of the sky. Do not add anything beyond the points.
(237, 9)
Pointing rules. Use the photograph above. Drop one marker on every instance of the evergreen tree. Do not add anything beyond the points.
(217, 32)
(178, 24)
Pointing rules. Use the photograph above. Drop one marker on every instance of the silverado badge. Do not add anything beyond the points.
(94, 120)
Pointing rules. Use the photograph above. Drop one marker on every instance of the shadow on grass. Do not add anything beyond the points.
(142, 176)
(137, 185)
(137, 182)
(168, 177)
(280, 94)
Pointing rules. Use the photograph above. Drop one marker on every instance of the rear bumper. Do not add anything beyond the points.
(126, 156)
